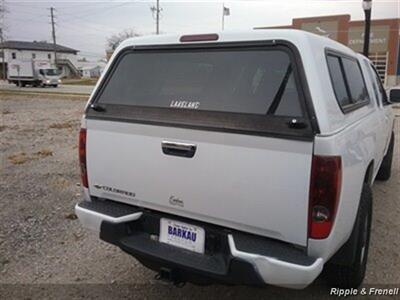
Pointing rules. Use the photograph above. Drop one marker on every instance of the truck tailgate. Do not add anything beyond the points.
(250, 183)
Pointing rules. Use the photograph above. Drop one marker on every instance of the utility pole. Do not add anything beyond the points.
(156, 10)
(2, 17)
(3, 62)
(53, 33)
(158, 18)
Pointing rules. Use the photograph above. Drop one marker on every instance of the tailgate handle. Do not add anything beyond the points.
(178, 149)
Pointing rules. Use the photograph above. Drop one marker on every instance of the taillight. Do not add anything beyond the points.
(82, 157)
(325, 185)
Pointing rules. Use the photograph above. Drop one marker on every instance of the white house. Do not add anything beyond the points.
(89, 69)
(22, 50)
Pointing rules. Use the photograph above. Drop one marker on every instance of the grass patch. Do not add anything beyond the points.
(26, 130)
(53, 95)
(19, 158)
(62, 183)
(44, 153)
(83, 81)
(71, 216)
(22, 157)
(64, 125)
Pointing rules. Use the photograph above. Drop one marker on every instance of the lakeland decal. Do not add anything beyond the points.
(185, 104)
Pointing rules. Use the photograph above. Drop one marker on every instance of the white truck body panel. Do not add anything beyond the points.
(21, 68)
(27, 68)
(360, 144)
(240, 181)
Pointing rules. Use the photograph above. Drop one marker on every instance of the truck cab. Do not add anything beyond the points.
(49, 77)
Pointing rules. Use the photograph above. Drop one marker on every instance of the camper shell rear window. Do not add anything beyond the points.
(250, 81)
(223, 87)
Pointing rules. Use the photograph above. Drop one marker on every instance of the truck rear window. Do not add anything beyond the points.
(237, 81)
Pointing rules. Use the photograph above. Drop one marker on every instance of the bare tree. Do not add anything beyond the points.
(116, 39)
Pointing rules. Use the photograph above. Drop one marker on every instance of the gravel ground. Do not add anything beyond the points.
(45, 253)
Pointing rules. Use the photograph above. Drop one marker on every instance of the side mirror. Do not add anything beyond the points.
(394, 95)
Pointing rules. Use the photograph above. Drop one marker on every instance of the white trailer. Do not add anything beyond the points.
(33, 72)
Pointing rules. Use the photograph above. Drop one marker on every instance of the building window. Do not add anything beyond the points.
(13, 55)
(33, 55)
(49, 56)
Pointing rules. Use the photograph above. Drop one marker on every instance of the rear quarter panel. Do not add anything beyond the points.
(356, 146)
(356, 139)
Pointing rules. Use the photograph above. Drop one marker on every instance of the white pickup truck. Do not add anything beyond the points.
(241, 158)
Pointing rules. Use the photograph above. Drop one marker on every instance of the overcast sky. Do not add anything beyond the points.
(85, 25)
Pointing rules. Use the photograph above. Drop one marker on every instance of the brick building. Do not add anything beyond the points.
(384, 40)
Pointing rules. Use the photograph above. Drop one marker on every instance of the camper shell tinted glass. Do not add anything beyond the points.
(354, 76)
(347, 81)
(338, 80)
(251, 81)
(252, 89)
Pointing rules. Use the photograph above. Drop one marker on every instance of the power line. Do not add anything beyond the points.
(99, 30)
(42, 21)
(85, 11)
(79, 5)
(29, 13)
(90, 14)
(28, 6)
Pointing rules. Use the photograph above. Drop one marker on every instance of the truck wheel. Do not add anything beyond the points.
(352, 274)
(385, 169)
(23, 84)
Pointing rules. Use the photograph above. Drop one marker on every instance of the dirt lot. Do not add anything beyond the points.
(44, 250)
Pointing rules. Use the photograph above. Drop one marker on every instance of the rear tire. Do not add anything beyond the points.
(352, 274)
(385, 169)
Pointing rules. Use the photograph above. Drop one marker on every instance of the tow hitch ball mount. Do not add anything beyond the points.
(170, 276)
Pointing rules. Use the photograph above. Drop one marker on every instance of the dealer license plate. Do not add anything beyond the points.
(182, 235)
